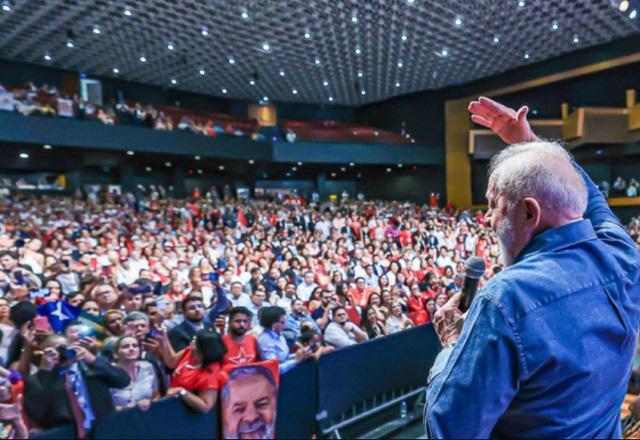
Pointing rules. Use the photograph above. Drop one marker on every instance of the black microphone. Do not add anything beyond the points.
(474, 269)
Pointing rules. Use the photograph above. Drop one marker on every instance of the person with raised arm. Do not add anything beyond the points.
(545, 349)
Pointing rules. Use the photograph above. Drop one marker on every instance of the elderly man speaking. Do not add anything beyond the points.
(545, 349)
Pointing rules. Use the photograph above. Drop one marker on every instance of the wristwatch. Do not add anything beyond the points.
(182, 392)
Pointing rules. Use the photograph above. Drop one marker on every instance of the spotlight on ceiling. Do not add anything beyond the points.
(496, 39)
(127, 12)
(294, 91)
(404, 37)
(307, 35)
(96, 30)
(6, 6)
(623, 6)
(527, 55)
(554, 26)
(130, 153)
(244, 14)
(266, 47)
(458, 21)
(170, 46)
(633, 14)
(143, 59)
(47, 146)
(47, 57)
(202, 72)
(224, 91)
(204, 31)
(330, 98)
(232, 60)
(115, 70)
(575, 39)
(70, 44)
(24, 156)
(281, 72)
(174, 81)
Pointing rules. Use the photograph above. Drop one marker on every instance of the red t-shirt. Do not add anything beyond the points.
(195, 379)
(240, 354)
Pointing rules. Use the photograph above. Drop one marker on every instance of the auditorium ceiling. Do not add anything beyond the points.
(347, 52)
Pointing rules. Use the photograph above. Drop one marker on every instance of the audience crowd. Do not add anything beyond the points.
(620, 188)
(111, 302)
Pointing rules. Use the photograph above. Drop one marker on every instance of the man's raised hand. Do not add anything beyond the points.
(511, 126)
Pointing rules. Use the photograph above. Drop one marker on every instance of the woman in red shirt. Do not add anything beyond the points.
(197, 376)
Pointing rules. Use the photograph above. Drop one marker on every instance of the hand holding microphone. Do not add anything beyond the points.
(449, 319)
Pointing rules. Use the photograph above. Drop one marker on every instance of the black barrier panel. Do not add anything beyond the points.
(63, 432)
(298, 402)
(350, 375)
(167, 418)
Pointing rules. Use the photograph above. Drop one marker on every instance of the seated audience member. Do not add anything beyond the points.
(272, 344)
(197, 372)
(297, 317)
(398, 321)
(314, 342)
(238, 297)
(242, 348)
(143, 386)
(371, 324)
(72, 386)
(258, 298)
(341, 332)
(182, 335)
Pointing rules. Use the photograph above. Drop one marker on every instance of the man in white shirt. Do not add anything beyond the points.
(306, 288)
(341, 332)
(238, 298)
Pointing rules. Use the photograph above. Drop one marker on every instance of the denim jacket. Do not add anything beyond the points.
(547, 345)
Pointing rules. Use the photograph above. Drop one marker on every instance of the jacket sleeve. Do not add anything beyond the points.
(480, 377)
(604, 221)
(37, 395)
(114, 376)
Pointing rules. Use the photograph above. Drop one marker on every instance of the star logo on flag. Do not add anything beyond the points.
(241, 358)
(58, 313)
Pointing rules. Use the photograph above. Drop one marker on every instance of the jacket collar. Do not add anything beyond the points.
(558, 238)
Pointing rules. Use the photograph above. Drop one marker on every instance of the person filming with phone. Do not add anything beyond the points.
(545, 349)
(71, 387)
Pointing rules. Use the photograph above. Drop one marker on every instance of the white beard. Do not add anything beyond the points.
(505, 241)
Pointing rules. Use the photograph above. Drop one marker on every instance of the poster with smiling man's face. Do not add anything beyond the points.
(249, 401)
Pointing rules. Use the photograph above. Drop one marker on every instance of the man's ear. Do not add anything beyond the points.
(532, 212)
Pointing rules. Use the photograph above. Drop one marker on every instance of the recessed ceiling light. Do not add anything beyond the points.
(294, 168)
(6, 6)
(224, 91)
(354, 18)
(400, 64)
(299, 164)
(343, 169)
(294, 91)
(148, 169)
(575, 39)
(70, 44)
(399, 165)
(352, 164)
(623, 6)
(330, 98)
(521, 3)
(221, 167)
(554, 26)
(317, 61)
(388, 170)
(115, 70)
(325, 83)
(410, 2)
(24, 156)
(527, 56)
(397, 83)
(143, 59)
(358, 51)
(496, 39)
(46, 147)
(633, 14)
(202, 72)
(363, 92)
(47, 57)
(360, 75)
(444, 52)
(232, 61)
(265, 98)
(266, 47)
(130, 153)
(458, 21)
(204, 31)
(251, 161)
(96, 30)
(307, 35)
(170, 46)
(404, 37)
(199, 171)
(197, 158)
(174, 81)
(281, 72)
(127, 12)
(244, 14)
(333, 174)
(252, 82)
(167, 164)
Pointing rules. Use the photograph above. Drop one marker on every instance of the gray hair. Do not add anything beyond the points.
(542, 170)
(135, 316)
